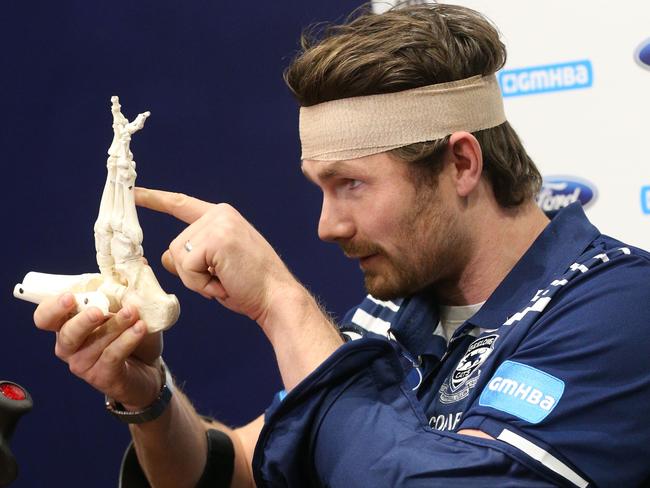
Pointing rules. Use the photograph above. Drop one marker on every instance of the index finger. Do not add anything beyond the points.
(183, 207)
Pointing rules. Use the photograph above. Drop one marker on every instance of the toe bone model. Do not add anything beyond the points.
(124, 278)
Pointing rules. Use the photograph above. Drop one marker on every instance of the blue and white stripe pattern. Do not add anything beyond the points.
(371, 315)
(543, 297)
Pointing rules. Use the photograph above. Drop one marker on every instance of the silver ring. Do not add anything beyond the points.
(188, 246)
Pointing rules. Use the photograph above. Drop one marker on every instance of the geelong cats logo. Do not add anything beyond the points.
(476, 354)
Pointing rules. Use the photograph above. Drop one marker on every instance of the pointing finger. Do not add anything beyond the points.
(183, 207)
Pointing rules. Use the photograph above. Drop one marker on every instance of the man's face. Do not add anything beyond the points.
(404, 235)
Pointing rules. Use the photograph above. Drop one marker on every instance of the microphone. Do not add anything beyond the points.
(15, 401)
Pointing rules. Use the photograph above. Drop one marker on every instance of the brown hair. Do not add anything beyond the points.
(407, 48)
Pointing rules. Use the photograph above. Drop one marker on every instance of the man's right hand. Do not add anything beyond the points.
(114, 354)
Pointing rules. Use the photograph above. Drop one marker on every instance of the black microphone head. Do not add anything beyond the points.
(15, 401)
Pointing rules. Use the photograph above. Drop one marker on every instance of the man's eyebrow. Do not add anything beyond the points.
(328, 173)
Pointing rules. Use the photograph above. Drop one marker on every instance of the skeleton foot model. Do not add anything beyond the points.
(124, 278)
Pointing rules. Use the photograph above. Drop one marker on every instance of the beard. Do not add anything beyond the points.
(430, 249)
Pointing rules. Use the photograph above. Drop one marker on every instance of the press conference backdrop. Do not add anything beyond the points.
(224, 128)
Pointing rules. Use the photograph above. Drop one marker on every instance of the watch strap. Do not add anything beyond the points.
(149, 413)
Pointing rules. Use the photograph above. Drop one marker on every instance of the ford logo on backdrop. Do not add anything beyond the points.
(561, 191)
(642, 54)
(547, 78)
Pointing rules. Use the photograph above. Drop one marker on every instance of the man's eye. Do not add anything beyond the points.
(352, 184)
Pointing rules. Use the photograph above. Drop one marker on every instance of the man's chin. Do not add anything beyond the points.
(383, 291)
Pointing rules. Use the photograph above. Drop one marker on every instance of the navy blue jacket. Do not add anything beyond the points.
(555, 366)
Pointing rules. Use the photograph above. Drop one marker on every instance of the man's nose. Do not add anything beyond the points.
(334, 224)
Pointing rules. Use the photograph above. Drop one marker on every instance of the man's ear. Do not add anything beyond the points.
(467, 159)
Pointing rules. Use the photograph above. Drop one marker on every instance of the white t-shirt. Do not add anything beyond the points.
(452, 317)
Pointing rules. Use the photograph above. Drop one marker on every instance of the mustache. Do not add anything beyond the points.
(360, 249)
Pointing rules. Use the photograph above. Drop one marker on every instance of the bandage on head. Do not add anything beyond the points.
(355, 127)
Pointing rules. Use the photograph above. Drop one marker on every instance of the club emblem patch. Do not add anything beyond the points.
(477, 352)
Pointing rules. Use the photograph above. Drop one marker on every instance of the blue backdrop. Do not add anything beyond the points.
(223, 128)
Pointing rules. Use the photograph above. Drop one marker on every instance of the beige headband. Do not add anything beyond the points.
(360, 126)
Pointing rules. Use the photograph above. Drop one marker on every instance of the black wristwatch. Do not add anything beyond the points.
(153, 411)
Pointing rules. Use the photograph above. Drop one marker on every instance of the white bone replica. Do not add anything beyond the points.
(124, 278)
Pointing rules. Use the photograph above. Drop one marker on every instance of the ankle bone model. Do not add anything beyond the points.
(124, 278)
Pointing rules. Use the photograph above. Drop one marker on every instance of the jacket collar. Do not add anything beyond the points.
(559, 245)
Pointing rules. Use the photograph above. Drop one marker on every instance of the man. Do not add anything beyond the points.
(495, 349)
